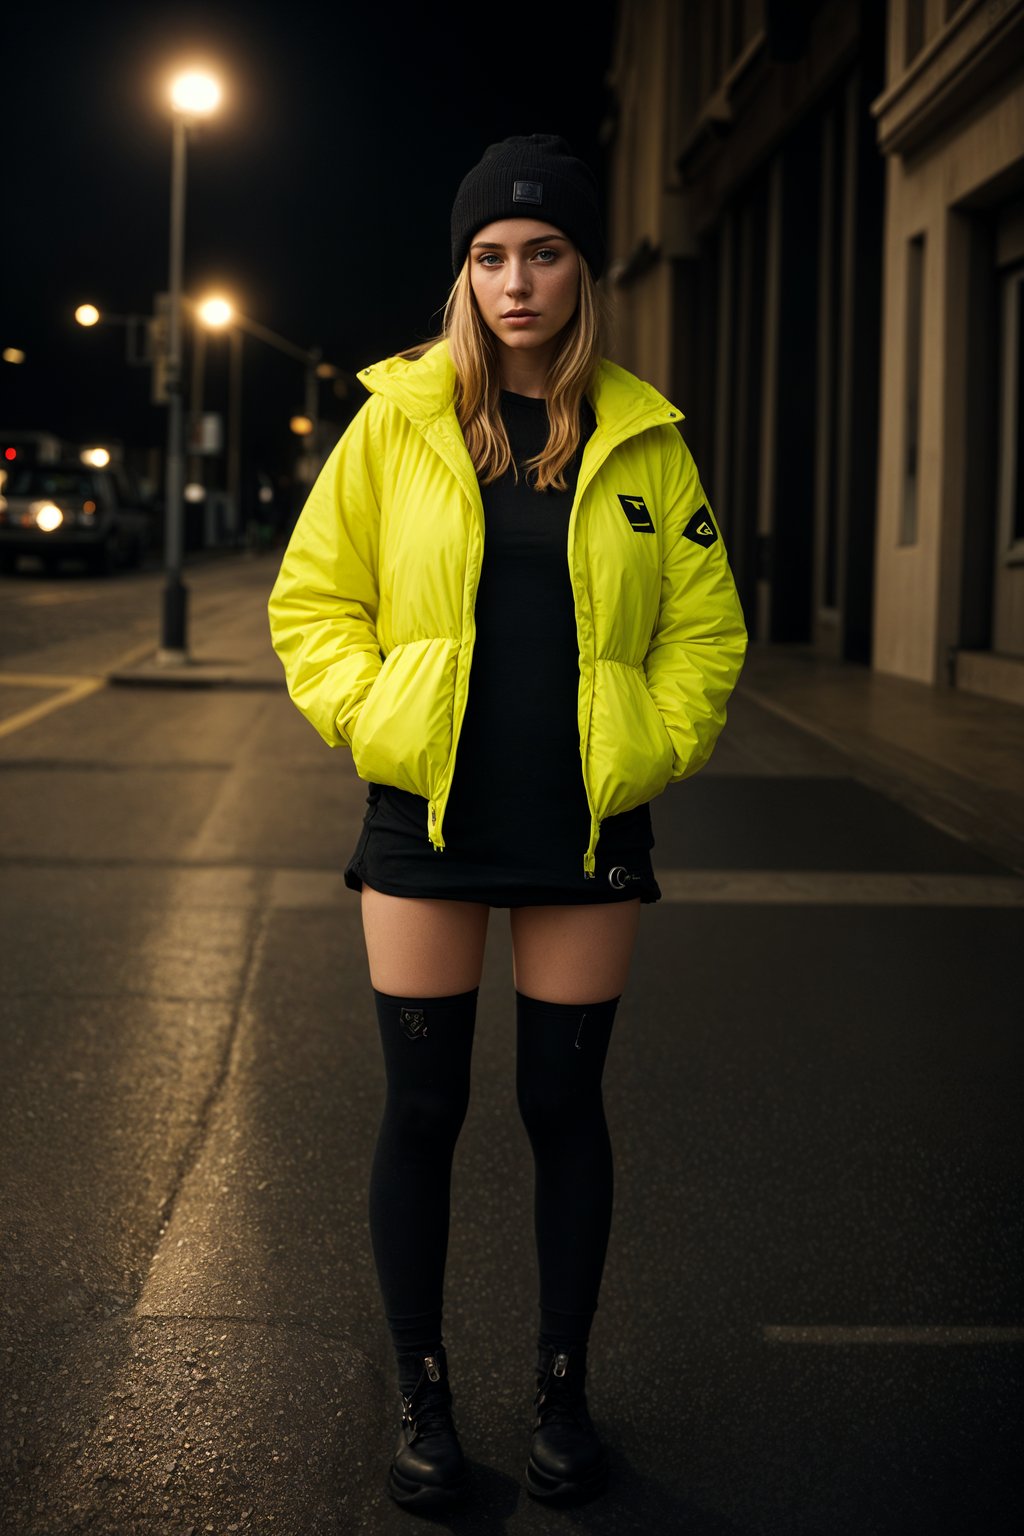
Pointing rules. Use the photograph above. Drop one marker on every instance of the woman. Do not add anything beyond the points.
(513, 711)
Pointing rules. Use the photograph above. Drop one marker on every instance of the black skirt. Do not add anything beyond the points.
(503, 866)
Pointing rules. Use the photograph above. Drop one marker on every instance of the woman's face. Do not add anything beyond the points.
(525, 275)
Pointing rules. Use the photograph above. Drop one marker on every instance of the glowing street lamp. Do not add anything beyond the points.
(216, 313)
(193, 95)
(138, 331)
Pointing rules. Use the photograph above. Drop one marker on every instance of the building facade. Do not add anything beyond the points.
(816, 227)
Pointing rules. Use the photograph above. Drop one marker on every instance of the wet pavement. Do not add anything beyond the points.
(811, 1319)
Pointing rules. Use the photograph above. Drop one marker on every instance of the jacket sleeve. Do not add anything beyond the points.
(700, 639)
(324, 603)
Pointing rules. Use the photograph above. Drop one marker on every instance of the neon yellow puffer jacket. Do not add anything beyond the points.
(372, 612)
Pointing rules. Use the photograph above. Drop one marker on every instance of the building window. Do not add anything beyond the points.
(913, 35)
(1011, 418)
(912, 397)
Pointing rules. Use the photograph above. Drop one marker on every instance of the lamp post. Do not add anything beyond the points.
(218, 313)
(193, 96)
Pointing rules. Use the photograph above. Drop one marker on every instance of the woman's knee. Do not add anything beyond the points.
(561, 1051)
(428, 1119)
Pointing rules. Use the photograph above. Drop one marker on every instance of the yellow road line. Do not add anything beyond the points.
(39, 680)
(69, 689)
(81, 689)
(55, 599)
(147, 648)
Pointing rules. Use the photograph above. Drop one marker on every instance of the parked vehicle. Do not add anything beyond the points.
(71, 511)
(33, 447)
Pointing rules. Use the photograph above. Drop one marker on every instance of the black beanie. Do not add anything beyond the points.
(535, 176)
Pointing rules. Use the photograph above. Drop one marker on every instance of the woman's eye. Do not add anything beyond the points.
(547, 252)
(487, 257)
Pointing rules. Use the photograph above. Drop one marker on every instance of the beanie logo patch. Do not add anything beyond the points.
(528, 192)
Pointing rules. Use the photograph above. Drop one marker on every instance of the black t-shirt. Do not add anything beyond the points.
(518, 777)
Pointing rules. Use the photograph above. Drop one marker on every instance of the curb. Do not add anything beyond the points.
(193, 674)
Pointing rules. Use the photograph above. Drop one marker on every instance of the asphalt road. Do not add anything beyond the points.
(811, 1318)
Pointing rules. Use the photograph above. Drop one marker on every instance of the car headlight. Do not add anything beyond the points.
(46, 515)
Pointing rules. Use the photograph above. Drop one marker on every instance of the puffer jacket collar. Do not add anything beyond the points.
(423, 388)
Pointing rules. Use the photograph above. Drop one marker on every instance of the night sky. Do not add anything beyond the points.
(319, 196)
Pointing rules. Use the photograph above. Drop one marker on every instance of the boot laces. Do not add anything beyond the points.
(559, 1410)
(432, 1413)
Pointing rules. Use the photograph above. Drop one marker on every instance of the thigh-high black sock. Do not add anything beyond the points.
(427, 1046)
(561, 1051)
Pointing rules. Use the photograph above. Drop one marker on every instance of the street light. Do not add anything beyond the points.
(219, 313)
(138, 339)
(193, 95)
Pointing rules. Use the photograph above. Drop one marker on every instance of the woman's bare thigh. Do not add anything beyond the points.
(423, 948)
(574, 954)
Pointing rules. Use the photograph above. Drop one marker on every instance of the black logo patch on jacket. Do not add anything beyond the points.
(636, 511)
(701, 528)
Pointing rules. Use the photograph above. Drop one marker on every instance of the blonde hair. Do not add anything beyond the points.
(473, 351)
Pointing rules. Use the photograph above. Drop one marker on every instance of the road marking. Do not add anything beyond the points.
(79, 688)
(914, 1334)
(815, 888)
(53, 599)
(40, 680)
(127, 658)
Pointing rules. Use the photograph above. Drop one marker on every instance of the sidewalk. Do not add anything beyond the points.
(957, 759)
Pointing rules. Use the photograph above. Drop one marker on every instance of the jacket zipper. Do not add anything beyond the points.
(438, 803)
(589, 857)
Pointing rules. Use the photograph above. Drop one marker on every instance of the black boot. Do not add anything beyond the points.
(567, 1460)
(428, 1470)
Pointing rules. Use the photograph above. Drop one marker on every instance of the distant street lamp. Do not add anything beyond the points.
(193, 96)
(137, 328)
(218, 313)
